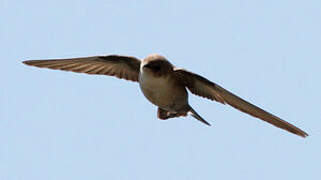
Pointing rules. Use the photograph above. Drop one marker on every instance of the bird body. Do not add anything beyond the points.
(164, 85)
(163, 90)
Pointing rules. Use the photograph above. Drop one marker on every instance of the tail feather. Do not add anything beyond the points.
(198, 117)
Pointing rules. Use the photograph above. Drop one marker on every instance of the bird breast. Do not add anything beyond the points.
(162, 91)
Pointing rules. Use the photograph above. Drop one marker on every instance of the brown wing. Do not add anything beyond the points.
(205, 88)
(124, 67)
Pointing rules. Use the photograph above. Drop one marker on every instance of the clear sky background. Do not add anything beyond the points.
(63, 125)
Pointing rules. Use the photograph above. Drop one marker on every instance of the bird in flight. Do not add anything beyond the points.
(164, 85)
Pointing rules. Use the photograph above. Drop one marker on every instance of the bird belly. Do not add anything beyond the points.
(163, 93)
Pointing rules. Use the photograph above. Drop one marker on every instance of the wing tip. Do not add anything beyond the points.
(28, 62)
(303, 134)
(31, 62)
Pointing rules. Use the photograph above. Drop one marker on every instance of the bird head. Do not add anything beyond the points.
(157, 65)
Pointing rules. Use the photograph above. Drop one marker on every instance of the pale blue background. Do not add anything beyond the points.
(61, 125)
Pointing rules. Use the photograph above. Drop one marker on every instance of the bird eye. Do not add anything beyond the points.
(156, 67)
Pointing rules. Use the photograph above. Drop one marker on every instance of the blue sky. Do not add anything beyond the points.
(62, 125)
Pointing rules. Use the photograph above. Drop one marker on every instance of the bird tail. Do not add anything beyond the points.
(197, 116)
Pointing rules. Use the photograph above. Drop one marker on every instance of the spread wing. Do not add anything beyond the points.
(205, 88)
(123, 67)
